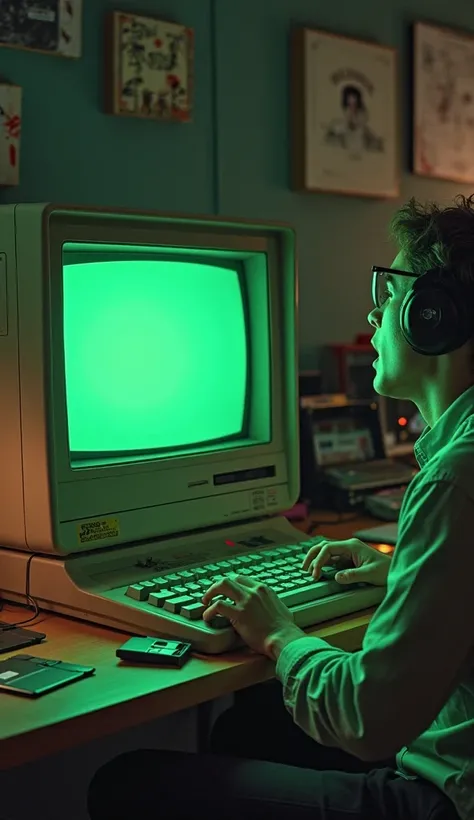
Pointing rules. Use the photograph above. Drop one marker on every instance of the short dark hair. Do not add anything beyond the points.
(431, 237)
(352, 91)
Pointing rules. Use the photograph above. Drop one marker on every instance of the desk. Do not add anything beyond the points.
(120, 696)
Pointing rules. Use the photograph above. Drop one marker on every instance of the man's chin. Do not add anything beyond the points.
(385, 386)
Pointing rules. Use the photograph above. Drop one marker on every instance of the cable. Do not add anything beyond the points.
(31, 601)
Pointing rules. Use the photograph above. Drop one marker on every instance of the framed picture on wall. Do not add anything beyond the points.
(10, 131)
(52, 26)
(344, 118)
(149, 68)
(443, 103)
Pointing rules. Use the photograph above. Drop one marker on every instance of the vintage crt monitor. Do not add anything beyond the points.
(148, 422)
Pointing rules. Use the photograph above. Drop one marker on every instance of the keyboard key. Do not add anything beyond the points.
(193, 611)
(245, 559)
(180, 590)
(137, 592)
(311, 592)
(199, 572)
(173, 578)
(160, 583)
(186, 573)
(175, 604)
(193, 587)
(159, 598)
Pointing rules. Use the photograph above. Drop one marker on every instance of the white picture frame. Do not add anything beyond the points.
(443, 103)
(344, 115)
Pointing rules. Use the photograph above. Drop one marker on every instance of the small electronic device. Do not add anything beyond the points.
(386, 504)
(12, 638)
(156, 651)
(32, 676)
(343, 456)
(385, 534)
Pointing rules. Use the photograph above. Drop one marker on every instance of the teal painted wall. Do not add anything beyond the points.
(72, 151)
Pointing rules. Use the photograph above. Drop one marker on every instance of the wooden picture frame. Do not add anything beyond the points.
(344, 126)
(443, 103)
(48, 26)
(149, 68)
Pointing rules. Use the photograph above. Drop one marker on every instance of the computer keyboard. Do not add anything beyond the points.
(155, 588)
(176, 597)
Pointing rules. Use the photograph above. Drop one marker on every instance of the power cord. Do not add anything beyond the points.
(31, 601)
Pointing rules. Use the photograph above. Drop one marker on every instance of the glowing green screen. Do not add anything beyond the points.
(155, 355)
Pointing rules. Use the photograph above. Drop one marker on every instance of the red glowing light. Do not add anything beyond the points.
(230, 543)
(402, 421)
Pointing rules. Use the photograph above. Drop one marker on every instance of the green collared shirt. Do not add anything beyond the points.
(409, 691)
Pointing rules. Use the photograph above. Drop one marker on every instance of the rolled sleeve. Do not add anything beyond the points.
(372, 702)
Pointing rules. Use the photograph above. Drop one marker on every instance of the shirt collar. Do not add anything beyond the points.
(434, 438)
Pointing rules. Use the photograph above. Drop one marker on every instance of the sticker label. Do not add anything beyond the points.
(8, 675)
(258, 500)
(272, 497)
(98, 530)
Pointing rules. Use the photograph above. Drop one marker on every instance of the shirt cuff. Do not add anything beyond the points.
(295, 653)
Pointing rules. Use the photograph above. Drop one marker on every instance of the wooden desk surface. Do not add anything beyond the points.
(119, 695)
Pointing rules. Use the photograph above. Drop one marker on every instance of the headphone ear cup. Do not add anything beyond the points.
(431, 323)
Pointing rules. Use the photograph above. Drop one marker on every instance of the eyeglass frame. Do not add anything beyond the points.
(378, 269)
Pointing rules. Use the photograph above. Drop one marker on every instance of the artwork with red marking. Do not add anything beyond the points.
(149, 68)
(52, 26)
(10, 132)
(443, 104)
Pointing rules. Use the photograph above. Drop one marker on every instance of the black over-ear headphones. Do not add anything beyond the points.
(437, 314)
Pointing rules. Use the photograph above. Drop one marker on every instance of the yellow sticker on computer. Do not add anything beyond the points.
(98, 530)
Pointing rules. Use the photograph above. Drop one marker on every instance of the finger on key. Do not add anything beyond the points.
(329, 556)
(312, 553)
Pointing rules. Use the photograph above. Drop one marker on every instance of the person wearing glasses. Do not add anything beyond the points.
(385, 732)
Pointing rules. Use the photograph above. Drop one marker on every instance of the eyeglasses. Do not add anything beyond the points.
(380, 279)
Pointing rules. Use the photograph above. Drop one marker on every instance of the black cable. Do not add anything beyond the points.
(31, 601)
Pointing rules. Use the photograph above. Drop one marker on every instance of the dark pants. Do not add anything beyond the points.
(290, 776)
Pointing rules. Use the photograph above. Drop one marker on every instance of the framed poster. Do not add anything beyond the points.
(52, 26)
(149, 69)
(443, 103)
(344, 121)
(10, 131)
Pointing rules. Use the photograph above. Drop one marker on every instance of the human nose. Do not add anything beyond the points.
(374, 318)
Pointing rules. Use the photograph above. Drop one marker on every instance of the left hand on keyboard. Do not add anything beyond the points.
(257, 614)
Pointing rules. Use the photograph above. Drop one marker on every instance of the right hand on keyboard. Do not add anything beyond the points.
(364, 564)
